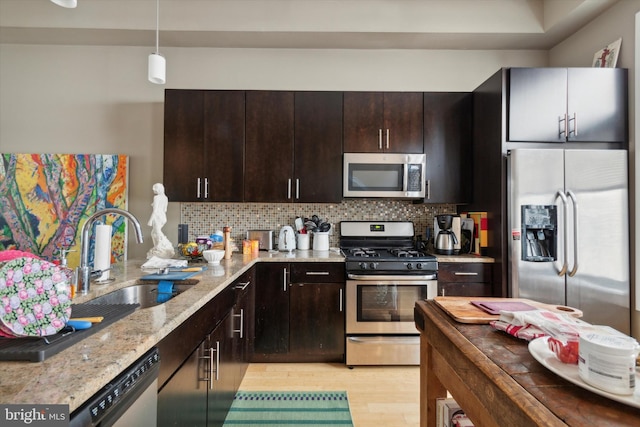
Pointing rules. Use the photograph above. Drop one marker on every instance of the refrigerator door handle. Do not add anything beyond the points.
(565, 266)
(574, 201)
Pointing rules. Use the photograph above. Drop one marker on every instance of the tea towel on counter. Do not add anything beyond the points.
(155, 263)
(528, 325)
(35, 297)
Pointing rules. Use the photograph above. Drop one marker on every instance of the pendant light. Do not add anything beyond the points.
(66, 3)
(157, 63)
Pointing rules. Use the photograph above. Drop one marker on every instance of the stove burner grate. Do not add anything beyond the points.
(406, 253)
(364, 252)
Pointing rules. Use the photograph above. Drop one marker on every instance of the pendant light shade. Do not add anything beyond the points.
(157, 69)
(66, 3)
(157, 63)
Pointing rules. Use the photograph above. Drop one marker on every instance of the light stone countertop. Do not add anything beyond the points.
(464, 258)
(76, 373)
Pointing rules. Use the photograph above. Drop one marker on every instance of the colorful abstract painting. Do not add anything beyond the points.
(46, 198)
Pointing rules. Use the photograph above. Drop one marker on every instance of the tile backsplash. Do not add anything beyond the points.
(205, 218)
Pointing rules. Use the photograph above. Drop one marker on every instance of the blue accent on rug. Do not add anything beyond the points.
(299, 408)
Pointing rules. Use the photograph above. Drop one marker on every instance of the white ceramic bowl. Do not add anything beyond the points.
(213, 256)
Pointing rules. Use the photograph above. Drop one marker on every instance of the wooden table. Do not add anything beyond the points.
(497, 382)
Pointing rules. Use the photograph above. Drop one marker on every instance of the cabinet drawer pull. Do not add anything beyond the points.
(317, 273)
(464, 273)
(341, 300)
(217, 370)
(241, 316)
(284, 280)
(379, 139)
(243, 286)
(207, 355)
(387, 139)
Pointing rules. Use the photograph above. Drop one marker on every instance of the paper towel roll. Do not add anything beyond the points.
(102, 255)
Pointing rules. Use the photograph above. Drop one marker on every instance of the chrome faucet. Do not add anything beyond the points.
(83, 272)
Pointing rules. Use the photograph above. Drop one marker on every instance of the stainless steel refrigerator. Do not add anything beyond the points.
(568, 218)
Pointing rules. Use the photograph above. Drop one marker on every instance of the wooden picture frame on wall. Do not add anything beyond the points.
(608, 56)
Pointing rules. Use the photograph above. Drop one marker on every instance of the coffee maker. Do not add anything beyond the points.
(446, 239)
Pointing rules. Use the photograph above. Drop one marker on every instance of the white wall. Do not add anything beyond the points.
(622, 20)
(93, 99)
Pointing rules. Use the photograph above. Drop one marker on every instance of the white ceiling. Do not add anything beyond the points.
(321, 24)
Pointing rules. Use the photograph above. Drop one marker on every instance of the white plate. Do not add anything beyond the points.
(541, 352)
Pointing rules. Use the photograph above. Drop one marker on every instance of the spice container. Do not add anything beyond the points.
(608, 361)
(246, 247)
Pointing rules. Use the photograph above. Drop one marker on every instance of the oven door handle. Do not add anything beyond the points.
(409, 339)
(397, 278)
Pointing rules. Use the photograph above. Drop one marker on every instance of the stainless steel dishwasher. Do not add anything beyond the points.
(130, 399)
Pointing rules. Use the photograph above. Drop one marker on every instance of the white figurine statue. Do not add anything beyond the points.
(162, 247)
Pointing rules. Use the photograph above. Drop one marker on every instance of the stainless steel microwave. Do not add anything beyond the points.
(398, 176)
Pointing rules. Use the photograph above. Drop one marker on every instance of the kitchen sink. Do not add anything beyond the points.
(146, 294)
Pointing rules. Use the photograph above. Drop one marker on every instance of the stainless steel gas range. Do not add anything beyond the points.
(386, 275)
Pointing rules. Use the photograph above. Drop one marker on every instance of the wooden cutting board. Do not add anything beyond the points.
(461, 309)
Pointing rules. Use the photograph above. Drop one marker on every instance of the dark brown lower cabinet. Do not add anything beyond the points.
(317, 326)
(465, 279)
(272, 311)
(218, 368)
(200, 368)
(299, 312)
(183, 399)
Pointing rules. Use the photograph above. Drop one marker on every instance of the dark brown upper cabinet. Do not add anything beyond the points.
(203, 145)
(318, 147)
(448, 146)
(269, 147)
(383, 122)
(567, 105)
(294, 147)
(183, 145)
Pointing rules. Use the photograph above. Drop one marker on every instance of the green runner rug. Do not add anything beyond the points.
(289, 408)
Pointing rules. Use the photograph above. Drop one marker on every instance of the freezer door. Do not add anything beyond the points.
(536, 177)
(598, 275)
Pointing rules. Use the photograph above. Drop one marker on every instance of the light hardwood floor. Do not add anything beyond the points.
(379, 396)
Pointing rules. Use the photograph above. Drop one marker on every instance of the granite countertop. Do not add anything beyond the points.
(76, 373)
(464, 258)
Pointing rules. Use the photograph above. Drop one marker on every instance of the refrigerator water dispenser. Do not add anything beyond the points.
(539, 233)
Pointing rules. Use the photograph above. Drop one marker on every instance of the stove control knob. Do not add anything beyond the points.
(410, 266)
(363, 265)
(419, 266)
(373, 265)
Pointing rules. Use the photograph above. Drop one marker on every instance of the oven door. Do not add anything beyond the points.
(385, 306)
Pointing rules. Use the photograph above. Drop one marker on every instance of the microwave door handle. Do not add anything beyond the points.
(405, 178)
